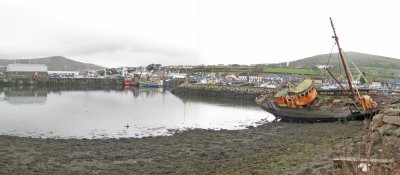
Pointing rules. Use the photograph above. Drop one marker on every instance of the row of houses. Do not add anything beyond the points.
(267, 80)
(41, 70)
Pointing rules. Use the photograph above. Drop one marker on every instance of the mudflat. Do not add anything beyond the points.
(273, 148)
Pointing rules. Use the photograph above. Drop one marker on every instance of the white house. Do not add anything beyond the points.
(323, 66)
(250, 77)
(70, 74)
(273, 77)
(376, 85)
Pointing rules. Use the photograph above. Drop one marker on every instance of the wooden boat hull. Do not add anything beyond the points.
(311, 115)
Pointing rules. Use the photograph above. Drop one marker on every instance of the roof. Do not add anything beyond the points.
(272, 76)
(303, 86)
(63, 72)
(243, 73)
(26, 68)
(282, 92)
(248, 74)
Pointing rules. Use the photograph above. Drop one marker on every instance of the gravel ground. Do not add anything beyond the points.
(273, 148)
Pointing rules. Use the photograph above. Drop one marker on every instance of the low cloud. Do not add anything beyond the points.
(103, 49)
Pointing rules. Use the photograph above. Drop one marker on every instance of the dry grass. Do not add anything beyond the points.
(372, 150)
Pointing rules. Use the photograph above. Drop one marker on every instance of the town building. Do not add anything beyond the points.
(26, 70)
(375, 85)
(64, 74)
(250, 77)
(3, 69)
(273, 78)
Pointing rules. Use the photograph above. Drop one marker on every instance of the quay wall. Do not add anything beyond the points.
(58, 82)
(221, 91)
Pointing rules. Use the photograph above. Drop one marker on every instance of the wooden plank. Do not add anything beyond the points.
(338, 161)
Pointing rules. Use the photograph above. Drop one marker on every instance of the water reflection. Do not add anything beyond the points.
(118, 112)
(27, 95)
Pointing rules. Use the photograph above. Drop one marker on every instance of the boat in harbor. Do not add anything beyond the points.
(132, 82)
(150, 85)
(304, 102)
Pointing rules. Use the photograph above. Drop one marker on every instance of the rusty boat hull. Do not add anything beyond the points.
(329, 106)
(314, 115)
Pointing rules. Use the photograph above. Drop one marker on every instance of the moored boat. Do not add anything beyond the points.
(151, 84)
(130, 82)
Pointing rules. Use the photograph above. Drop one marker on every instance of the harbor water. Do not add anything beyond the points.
(117, 113)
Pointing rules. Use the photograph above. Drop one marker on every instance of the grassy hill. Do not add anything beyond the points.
(55, 63)
(360, 59)
(372, 64)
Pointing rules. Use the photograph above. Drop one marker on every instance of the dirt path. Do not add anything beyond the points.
(275, 148)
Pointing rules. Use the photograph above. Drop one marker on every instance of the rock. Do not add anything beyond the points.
(367, 124)
(392, 111)
(394, 120)
(364, 169)
(375, 136)
(397, 132)
(377, 120)
(393, 140)
(387, 129)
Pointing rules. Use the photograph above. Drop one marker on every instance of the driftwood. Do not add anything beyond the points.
(350, 161)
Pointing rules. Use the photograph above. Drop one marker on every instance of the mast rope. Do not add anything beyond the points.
(339, 63)
(326, 66)
(333, 45)
(351, 76)
(358, 70)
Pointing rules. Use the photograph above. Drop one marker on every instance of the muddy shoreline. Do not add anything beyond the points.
(273, 148)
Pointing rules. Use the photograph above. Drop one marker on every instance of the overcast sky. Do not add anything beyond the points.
(139, 32)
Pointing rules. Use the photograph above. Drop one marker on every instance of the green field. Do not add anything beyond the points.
(381, 71)
(280, 70)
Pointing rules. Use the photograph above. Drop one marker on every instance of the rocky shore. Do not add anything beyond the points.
(274, 148)
(386, 126)
(379, 147)
(220, 91)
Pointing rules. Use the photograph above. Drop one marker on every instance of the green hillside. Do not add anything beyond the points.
(372, 64)
(55, 63)
(283, 70)
(360, 59)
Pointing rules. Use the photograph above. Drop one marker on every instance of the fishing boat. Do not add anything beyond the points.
(304, 102)
(132, 82)
(151, 84)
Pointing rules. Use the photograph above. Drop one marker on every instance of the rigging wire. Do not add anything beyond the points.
(339, 63)
(351, 76)
(333, 45)
(358, 70)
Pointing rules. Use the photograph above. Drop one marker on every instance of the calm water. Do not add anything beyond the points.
(135, 112)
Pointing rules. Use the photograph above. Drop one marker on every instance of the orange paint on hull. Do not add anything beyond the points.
(297, 100)
(367, 102)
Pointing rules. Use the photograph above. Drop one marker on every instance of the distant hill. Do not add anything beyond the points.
(55, 63)
(359, 59)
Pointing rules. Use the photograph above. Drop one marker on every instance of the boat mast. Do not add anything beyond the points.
(343, 60)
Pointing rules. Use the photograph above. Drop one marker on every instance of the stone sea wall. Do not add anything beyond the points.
(58, 81)
(220, 91)
(386, 125)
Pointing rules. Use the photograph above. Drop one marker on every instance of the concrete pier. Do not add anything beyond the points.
(59, 81)
(222, 91)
